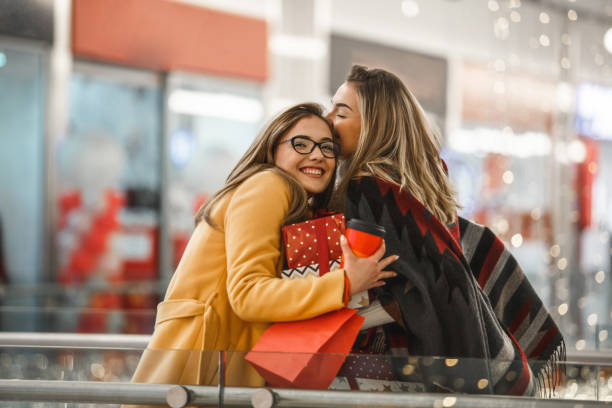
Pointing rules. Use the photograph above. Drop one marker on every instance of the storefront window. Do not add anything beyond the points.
(500, 160)
(22, 124)
(109, 167)
(211, 123)
(592, 288)
(557, 224)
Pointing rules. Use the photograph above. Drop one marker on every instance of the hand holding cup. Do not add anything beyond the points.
(362, 250)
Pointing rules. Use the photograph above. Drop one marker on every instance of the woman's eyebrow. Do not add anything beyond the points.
(343, 105)
(325, 139)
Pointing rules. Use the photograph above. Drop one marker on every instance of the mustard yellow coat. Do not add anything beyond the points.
(226, 291)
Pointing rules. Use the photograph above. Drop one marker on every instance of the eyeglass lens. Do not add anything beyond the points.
(304, 145)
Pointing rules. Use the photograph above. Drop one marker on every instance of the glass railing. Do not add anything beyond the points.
(88, 375)
(129, 307)
(123, 308)
(52, 351)
(603, 337)
(76, 295)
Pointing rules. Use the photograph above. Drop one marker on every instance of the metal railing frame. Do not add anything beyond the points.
(74, 340)
(181, 396)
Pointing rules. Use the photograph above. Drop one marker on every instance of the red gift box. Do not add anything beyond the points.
(307, 353)
(312, 247)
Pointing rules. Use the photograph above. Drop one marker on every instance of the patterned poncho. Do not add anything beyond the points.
(460, 294)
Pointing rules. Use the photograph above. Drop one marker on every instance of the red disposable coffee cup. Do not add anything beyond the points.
(363, 237)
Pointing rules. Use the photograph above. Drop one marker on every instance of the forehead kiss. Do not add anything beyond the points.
(345, 117)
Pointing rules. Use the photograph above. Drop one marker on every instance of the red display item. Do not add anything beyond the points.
(115, 200)
(199, 201)
(141, 262)
(307, 353)
(585, 180)
(70, 201)
(179, 244)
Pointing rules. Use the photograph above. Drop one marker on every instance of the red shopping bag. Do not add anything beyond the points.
(307, 353)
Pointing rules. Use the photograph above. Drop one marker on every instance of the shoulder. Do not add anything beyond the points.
(362, 191)
(266, 189)
(259, 202)
(378, 191)
(266, 181)
(371, 186)
(472, 231)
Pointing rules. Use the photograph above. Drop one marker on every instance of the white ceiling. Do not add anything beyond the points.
(461, 29)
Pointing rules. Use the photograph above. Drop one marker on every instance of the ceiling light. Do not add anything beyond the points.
(298, 47)
(608, 40)
(220, 105)
(565, 97)
(410, 8)
(566, 39)
(501, 28)
(505, 142)
(566, 63)
(576, 151)
(517, 240)
(499, 65)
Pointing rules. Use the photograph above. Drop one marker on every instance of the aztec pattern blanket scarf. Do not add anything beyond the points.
(460, 294)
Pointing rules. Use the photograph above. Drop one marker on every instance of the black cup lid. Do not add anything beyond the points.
(365, 226)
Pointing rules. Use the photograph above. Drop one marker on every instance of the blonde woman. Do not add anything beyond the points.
(226, 290)
(459, 292)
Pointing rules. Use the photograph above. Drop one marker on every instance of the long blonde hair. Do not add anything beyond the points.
(397, 143)
(260, 156)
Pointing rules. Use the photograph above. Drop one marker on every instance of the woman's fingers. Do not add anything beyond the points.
(386, 275)
(380, 251)
(343, 243)
(345, 247)
(387, 261)
(365, 273)
(380, 279)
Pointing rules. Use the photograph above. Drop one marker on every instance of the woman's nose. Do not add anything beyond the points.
(316, 153)
(330, 117)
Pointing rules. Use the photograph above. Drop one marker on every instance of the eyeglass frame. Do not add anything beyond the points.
(336, 148)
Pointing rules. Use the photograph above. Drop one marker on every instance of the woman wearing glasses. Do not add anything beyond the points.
(226, 290)
(459, 293)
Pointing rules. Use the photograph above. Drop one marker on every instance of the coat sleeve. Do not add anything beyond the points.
(253, 224)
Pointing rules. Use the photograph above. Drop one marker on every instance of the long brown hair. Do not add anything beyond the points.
(397, 143)
(260, 156)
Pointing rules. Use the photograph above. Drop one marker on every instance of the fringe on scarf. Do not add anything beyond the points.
(548, 374)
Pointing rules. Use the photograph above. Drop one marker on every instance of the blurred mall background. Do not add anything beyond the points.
(118, 118)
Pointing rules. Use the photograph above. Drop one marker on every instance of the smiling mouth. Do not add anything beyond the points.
(312, 171)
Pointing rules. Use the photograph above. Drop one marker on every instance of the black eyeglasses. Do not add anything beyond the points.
(305, 145)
